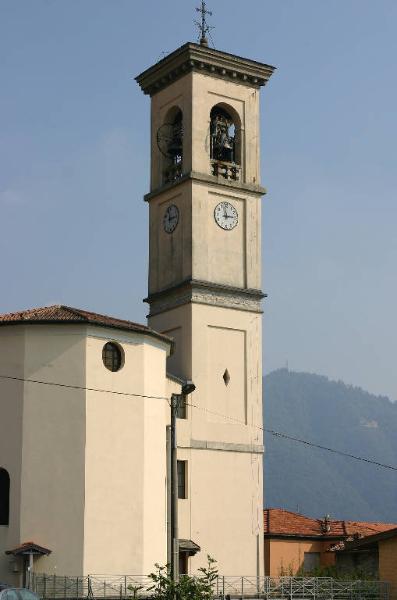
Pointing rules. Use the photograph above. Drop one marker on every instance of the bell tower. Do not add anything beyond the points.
(205, 290)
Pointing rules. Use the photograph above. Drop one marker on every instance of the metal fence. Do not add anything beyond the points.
(132, 587)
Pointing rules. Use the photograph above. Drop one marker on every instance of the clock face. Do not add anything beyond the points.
(226, 215)
(171, 218)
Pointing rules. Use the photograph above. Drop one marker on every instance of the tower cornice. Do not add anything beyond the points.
(237, 186)
(194, 57)
(205, 292)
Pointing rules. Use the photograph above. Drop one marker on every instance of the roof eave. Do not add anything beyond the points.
(194, 57)
(149, 332)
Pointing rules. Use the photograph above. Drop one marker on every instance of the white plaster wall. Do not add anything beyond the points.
(125, 512)
(52, 477)
(211, 354)
(225, 257)
(223, 511)
(170, 255)
(12, 350)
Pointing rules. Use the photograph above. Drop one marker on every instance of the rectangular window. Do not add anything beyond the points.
(183, 563)
(181, 411)
(311, 561)
(182, 478)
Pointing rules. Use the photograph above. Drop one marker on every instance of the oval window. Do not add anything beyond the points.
(112, 356)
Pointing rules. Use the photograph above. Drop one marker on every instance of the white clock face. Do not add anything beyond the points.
(226, 215)
(171, 218)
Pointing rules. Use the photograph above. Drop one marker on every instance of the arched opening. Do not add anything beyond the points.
(4, 497)
(225, 146)
(170, 144)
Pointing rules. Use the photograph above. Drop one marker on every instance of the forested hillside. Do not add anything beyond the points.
(314, 482)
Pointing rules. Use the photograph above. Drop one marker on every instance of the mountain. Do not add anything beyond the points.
(315, 482)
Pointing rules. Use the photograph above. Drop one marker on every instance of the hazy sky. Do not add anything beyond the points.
(74, 164)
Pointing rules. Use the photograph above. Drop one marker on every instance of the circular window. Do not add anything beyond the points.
(112, 356)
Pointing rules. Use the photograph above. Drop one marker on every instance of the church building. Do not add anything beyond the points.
(85, 398)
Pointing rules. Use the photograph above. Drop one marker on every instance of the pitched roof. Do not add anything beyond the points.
(370, 540)
(61, 314)
(280, 522)
(29, 548)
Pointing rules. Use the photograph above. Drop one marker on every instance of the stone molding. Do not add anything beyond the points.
(223, 446)
(238, 186)
(194, 57)
(203, 292)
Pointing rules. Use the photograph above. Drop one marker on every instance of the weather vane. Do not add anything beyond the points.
(203, 26)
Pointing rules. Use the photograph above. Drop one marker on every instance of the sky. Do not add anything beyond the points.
(74, 166)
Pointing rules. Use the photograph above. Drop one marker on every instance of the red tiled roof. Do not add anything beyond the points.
(67, 315)
(28, 548)
(352, 543)
(281, 522)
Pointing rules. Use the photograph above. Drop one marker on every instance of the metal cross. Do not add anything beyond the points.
(204, 28)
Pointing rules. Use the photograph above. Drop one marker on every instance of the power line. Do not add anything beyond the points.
(278, 434)
(294, 439)
(82, 388)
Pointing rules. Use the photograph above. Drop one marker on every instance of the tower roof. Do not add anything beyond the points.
(195, 57)
(59, 313)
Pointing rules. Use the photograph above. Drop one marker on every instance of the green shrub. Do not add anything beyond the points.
(198, 587)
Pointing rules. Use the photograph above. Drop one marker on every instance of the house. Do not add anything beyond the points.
(374, 554)
(295, 543)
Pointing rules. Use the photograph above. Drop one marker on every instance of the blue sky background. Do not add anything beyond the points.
(74, 165)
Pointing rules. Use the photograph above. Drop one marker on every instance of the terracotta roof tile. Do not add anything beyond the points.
(28, 548)
(65, 314)
(278, 521)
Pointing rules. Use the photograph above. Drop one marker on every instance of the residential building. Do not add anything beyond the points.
(295, 544)
(375, 554)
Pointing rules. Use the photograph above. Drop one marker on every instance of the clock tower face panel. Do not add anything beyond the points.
(170, 239)
(223, 235)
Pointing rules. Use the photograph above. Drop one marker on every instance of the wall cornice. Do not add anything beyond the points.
(204, 292)
(223, 446)
(212, 180)
(194, 57)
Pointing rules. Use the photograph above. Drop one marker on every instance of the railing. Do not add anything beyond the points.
(172, 172)
(227, 170)
(120, 587)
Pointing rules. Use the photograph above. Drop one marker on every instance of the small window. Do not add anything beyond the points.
(182, 472)
(311, 561)
(181, 411)
(4, 497)
(183, 563)
(112, 356)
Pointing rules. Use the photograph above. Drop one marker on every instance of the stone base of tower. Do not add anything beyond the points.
(221, 438)
(223, 512)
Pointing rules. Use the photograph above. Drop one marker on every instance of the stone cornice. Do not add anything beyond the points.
(194, 57)
(237, 186)
(223, 446)
(204, 292)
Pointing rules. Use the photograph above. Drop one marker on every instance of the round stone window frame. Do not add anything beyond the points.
(116, 348)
